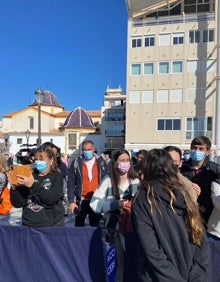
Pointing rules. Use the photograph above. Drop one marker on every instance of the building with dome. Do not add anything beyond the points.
(57, 125)
(78, 127)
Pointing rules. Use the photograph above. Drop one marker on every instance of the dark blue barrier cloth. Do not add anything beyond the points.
(68, 254)
(214, 261)
(58, 254)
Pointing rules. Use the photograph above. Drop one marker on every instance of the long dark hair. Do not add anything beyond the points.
(114, 173)
(159, 166)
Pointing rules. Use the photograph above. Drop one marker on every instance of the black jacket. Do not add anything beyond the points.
(165, 251)
(43, 202)
(203, 177)
(74, 182)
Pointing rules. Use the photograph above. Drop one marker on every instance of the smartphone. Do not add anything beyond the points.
(15, 170)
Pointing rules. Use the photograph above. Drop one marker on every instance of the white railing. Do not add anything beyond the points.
(174, 19)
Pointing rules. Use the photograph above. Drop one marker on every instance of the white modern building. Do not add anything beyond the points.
(171, 72)
(113, 120)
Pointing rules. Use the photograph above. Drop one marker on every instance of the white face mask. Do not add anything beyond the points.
(124, 167)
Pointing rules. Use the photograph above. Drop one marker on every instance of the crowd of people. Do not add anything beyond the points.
(166, 199)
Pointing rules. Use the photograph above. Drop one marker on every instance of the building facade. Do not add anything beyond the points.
(113, 120)
(171, 73)
(14, 126)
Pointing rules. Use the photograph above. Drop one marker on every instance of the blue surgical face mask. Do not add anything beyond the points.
(41, 166)
(197, 156)
(88, 154)
(186, 157)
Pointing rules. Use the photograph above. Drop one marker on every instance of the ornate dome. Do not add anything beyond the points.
(48, 99)
(78, 118)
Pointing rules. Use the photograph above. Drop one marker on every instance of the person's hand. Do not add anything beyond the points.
(196, 188)
(25, 180)
(122, 203)
(72, 207)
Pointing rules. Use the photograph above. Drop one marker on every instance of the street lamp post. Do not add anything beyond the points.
(39, 94)
(27, 134)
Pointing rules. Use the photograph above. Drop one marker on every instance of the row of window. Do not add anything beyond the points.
(116, 116)
(114, 103)
(175, 67)
(166, 39)
(171, 96)
(194, 126)
(115, 130)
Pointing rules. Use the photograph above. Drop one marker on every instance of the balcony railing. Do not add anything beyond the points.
(174, 19)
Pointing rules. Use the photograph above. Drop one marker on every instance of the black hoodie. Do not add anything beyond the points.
(166, 253)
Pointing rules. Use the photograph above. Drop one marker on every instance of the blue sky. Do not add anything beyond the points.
(73, 48)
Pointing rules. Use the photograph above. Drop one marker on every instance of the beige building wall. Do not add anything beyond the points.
(196, 89)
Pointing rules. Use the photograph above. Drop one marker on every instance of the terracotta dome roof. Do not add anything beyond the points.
(48, 99)
(78, 118)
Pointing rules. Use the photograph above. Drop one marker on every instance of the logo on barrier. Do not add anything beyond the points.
(110, 264)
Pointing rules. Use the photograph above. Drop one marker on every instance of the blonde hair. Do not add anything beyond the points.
(3, 163)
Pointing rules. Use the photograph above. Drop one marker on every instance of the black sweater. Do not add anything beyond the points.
(165, 251)
(42, 202)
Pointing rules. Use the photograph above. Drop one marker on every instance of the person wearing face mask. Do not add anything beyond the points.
(111, 197)
(84, 176)
(193, 189)
(199, 169)
(41, 194)
(186, 155)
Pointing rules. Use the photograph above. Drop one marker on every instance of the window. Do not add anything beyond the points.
(135, 97)
(196, 6)
(177, 67)
(208, 35)
(148, 96)
(210, 93)
(190, 94)
(149, 40)
(194, 36)
(72, 140)
(197, 126)
(168, 124)
(31, 122)
(192, 66)
(163, 67)
(207, 65)
(136, 42)
(199, 94)
(114, 130)
(115, 116)
(19, 140)
(162, 96)
(176, 95)
(178, 38)
(111, 103)
(148, 68)
(164, 39)
(135, 69)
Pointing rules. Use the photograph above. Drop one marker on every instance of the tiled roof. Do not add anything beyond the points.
(48, 99)
(62, 114)
(78, 118)
(94, 113)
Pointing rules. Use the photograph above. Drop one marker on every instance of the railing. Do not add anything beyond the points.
(174, 19)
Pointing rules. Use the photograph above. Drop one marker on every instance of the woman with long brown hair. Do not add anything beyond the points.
(171, 240)
(112, 197)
